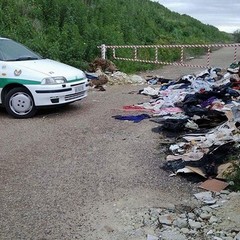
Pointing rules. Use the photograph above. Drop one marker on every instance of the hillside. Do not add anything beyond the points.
(71, 30)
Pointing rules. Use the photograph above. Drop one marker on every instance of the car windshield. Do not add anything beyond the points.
(13, 51)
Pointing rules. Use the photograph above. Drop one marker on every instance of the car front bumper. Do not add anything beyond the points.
(49, 95)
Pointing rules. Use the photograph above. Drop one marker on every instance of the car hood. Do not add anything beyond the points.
(51, 68)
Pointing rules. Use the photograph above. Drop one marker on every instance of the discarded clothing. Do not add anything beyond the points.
(174, 125)
(149, 91)
(208, 165)
(135, 119)
(168, 111)
(135, 108)
(210, 102)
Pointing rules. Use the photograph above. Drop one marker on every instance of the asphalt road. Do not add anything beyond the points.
(77, 173)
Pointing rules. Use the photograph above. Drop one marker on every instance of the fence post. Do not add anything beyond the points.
(135, 53)
(156, 54)
(235, 54)
(103, 51)
(182, 54)
(208, 56)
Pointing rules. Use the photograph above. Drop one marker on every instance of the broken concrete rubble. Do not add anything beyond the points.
(209, 215)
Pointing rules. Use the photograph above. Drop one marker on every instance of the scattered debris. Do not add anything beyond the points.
(200, 114)
(120, 78)
(97, 79)
(214, 185)
(102, 71)
(207, 215)
(202, 111)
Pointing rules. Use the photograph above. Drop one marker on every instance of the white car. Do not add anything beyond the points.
(28, 81)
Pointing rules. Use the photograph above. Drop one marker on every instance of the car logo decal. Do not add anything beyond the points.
(17, 72)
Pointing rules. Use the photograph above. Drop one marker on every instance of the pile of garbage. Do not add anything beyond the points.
(202, 112)
(102, 71)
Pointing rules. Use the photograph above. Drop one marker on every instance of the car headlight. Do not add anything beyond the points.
(54, 80)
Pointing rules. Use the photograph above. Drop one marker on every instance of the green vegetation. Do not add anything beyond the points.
(71, 30)
(236, 36)
(234, 177)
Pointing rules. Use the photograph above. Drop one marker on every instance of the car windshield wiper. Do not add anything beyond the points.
(23, 58)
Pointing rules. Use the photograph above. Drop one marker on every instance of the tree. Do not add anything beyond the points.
(236, 36)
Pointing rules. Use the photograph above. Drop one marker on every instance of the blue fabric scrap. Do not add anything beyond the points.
(134, 118)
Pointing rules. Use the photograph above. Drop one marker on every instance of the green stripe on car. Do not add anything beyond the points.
(5, 81)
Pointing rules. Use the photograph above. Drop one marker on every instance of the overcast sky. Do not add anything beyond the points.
(223, 14)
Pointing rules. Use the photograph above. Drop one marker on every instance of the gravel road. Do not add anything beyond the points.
(77, 173)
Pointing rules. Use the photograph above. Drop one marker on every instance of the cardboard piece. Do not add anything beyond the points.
(197, 170)
(214, 185)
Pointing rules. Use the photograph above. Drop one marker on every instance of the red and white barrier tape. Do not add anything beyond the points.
(181, 63)
(172, 46)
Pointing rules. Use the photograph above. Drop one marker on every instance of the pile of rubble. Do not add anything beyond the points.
(209, 216)
(205, 216)
(201, 221)
(102, 71)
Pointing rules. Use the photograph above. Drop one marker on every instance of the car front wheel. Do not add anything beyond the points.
(19, 103)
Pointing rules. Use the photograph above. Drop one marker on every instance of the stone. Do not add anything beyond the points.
(180, 223)
(213, 219)
(225, 196)
(172, 235)
(185, 230)
(191, 216)
(217, 238)
(193, 232)
(215, 206)
(151, 237)
(166, 219)
(210, 232)
(237, 237)
(205, 216)
(183, 215)
(171, 207)
(206, 209)
(224, 192)
(194, 224)
(205, 197)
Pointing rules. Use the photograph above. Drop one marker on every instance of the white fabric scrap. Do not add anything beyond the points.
(150, 91)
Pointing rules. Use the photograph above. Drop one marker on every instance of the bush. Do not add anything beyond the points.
(234, 177)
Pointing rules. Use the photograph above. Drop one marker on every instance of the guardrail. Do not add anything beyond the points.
(135, 49)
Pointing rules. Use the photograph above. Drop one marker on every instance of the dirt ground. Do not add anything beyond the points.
(78, 173)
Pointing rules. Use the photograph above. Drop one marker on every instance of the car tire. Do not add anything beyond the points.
(19, 103)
